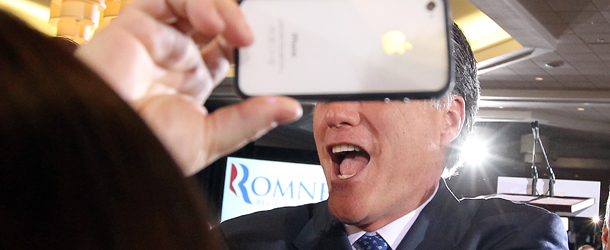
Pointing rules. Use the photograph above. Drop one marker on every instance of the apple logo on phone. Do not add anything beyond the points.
(395, 42)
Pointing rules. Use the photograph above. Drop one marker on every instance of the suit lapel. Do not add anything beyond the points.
(322, 232)
(436, 227)
(416, 234)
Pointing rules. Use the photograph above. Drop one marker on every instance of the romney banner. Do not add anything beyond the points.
(257, 185)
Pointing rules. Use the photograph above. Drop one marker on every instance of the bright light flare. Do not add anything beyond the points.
(595, 219)
(475, 151)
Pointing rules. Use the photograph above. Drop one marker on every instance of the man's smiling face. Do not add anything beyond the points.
(381, 160)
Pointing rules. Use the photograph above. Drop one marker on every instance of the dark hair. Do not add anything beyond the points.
(466, 86)
(66, 43)
(79, 169)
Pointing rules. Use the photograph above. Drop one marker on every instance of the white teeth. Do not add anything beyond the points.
(338, 149)
(345, 148)
(345, 176)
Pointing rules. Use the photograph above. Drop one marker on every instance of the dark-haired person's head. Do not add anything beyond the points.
(79, 169)
(383, 160)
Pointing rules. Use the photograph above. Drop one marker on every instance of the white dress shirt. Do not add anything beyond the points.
(392, 233)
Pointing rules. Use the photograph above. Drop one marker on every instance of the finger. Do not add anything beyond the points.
(179, 124)
(218, 56)
(158, 9)
(211, 17)
(237, 32)
(204, 16)
(182, 25)
(201, 18)
(173, 51)
(232, 127)
(202, 39)
(121, 72)
(201, 13)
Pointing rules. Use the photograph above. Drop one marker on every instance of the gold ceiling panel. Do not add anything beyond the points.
(487, 39)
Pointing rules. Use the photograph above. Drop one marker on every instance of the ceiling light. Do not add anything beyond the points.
(581, 109)
(554, 64)
(539, 79)
(487, 39)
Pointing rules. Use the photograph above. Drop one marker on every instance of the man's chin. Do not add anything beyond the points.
(345, 213)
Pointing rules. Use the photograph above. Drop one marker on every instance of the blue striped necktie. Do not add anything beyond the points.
(375, 242)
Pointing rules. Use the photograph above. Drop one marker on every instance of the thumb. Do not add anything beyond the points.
(232, 127)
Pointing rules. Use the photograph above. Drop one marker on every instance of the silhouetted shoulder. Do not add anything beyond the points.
(479, 224)
(501, 207)
(499, 222)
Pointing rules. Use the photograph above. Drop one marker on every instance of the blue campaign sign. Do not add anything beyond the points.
(257, 185)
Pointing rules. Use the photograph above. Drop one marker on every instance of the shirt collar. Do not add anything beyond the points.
(395, 231)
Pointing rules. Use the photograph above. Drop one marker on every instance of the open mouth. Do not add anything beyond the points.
(350, 160)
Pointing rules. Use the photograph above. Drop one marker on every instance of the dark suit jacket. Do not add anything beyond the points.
(445, 223)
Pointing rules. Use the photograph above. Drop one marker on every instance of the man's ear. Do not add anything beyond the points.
(454, 120)
(605, 234)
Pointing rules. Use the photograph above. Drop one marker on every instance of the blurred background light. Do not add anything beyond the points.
(595, 219)
(475, 151)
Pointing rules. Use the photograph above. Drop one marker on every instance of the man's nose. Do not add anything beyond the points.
(342, 114)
